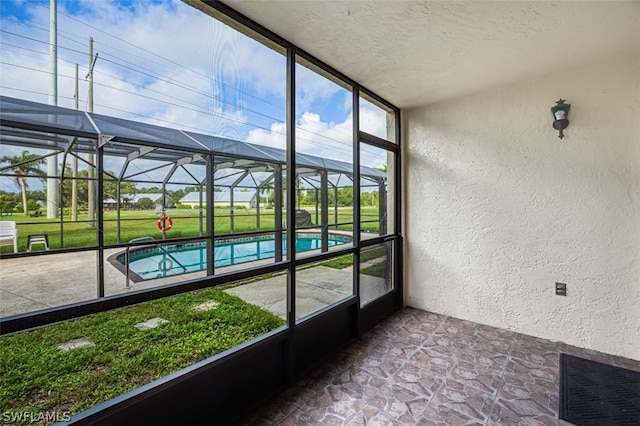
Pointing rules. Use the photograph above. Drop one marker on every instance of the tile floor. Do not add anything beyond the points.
(420, 368)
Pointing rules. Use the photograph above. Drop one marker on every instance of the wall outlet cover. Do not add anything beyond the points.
(561, 289)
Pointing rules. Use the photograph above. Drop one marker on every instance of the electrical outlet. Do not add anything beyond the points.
(561, 289)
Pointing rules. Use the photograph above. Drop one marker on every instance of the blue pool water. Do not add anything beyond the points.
(157, 262)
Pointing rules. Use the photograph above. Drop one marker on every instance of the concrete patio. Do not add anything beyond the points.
(33, 283)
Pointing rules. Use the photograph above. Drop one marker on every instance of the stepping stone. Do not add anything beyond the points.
(207, 306)
(74, 344)
(152, 323)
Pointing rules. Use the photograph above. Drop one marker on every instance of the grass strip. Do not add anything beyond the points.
(35, 376)
(376, 270)
(365, 256)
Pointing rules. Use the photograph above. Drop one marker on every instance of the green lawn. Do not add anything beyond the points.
(379, 270)
(342, 262)
(143, 223)
(37, 377)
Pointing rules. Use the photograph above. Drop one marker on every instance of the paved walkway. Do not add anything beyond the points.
(38, 282)
(316, 288)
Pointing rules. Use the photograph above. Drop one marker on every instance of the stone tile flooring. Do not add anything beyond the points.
(420, 368)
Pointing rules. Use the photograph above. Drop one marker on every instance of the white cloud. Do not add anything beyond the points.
(373, 120)
(312, 87)
(313, 136)
(326, 139)
(207, 71)
(210, 75)
(274, 138)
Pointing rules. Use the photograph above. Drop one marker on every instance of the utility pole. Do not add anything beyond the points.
(52, 159)
(90, 182)
(74, 181)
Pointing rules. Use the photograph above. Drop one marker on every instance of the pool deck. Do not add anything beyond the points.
(33, 283)
(38, 282)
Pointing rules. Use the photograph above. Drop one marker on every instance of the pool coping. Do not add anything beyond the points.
(135, 278)
(113, 260)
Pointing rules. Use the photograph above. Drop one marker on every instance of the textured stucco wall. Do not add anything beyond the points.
(498, 208)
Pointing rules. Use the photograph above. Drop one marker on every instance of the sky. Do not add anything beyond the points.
(166, 63)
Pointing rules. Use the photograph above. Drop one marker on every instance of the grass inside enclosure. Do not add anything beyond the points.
(36, 376)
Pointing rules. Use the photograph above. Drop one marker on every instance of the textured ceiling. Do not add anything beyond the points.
(419, 52)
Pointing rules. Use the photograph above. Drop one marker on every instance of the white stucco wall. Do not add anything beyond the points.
(498, 208)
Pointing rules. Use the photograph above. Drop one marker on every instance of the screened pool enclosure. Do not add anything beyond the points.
(195, 191)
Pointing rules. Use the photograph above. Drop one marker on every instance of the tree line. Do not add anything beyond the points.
(27, 166)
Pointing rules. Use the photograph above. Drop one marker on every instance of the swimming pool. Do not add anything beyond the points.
(164, 260)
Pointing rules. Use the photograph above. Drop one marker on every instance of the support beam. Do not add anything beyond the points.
(291, 223)
(118, 208)
(139, 153)
(356, 181)
(231, 210)
(100, 222)
(335, 205)
(74, 167)
(231, 197)
(200, 218)
(278, 211)
(208, 186)
(316, 191)
(164, 206)
(67, 152)
(324, 210)
(91, 183)
(258, 208)
(382, 206)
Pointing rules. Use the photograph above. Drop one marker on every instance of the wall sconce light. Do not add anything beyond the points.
(560, 112)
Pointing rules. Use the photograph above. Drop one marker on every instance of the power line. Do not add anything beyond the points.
(34, 51)
(34, 92)
(35, 69)
(186, 87)
(248, 124)
(348, 150)
(23, 48)
(41, 42)
(157, 77)
(208, 77)
(46, 29)
(173, 82)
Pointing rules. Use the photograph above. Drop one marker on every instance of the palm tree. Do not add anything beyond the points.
(266, 189)
(24, 165)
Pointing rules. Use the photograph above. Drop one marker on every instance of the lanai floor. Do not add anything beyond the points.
(420, 368)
